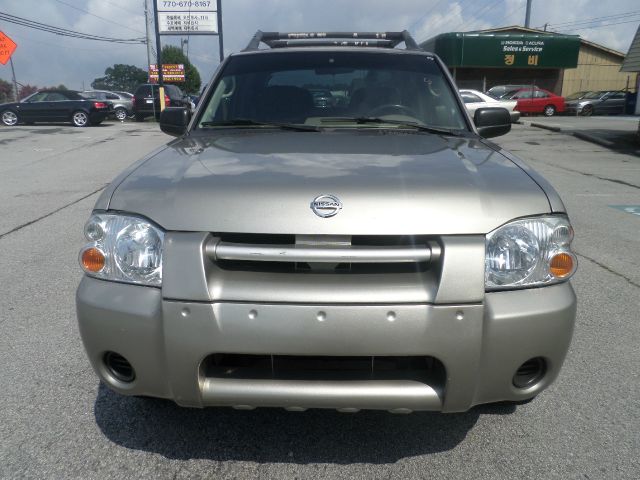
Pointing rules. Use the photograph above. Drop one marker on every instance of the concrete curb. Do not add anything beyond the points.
(546, 127)
(579, 135)
(593, 139)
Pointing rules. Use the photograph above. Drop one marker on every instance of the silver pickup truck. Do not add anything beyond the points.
(372, 252)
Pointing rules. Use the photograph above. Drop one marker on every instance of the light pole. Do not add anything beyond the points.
(15, 83)
(220, 41)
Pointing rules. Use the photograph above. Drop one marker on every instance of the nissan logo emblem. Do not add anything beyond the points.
(326, 206)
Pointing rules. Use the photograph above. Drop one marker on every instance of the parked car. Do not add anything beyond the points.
(576, 96)
(378, 256)
(122, 105)
(55, 106)
(194, 100)
(505, 91)
(606, 102)
(146, 100)
(538, 100)
(473, 100)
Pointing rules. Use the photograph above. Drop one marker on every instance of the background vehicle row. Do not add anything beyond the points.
(121, 102)
(146, 100)
(55, 106)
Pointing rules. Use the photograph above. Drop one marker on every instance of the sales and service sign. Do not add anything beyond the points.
(506, 50)
(187, 17)
(171, 72)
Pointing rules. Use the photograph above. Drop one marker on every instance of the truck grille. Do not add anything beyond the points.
(322, 254)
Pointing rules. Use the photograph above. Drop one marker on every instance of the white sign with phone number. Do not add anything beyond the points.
(188, 22)
(187, 17)
(208, 6)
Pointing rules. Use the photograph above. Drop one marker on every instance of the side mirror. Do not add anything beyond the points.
(174, 120)
(492, 122)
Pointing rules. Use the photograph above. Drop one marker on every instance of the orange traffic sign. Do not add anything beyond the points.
(7, 47)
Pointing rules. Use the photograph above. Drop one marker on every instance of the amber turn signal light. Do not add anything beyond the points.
(561, 265)
(92, 260)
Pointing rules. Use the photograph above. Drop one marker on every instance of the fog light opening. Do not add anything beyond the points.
(530, 373)
(119, 367)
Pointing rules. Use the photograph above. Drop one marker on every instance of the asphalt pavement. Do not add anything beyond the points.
(57, 421)
(619, 133)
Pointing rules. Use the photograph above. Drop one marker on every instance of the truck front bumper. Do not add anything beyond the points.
(169, 344)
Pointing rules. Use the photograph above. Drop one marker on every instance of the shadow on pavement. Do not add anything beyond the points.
(275, 435)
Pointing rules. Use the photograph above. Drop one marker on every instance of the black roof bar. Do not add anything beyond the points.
(343, 39)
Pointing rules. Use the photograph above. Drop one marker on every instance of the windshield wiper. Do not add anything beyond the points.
(246, 122)
(400, 123)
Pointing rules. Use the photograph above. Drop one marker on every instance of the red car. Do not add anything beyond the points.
(537, 100)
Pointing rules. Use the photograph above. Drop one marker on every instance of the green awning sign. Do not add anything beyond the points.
(505, 50)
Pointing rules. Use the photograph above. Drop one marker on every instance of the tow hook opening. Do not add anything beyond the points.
(119, 367)
(530, 373)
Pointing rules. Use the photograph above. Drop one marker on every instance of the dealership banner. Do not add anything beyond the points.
(461, 49)
(171, 72)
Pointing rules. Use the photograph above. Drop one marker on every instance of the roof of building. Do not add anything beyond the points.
(519, 29)
(632, 61)
(508, 47)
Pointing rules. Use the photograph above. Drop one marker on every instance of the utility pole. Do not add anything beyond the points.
(158, 56)
(220, 42)
(151, 55)
(15, 83)
(527, 18)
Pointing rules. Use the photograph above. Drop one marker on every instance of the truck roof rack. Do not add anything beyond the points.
(330, 39)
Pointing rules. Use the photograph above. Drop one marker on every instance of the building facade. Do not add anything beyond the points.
(560, 63)
(598, 69)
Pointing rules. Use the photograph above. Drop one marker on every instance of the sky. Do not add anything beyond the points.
(44, 59)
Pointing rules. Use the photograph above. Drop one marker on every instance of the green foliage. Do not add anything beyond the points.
(62, 86)
(121, 77)
(171, 54)
(6, 91)
(26, 90)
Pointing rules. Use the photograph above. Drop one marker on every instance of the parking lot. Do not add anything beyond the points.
(619, 133)
(57, 421)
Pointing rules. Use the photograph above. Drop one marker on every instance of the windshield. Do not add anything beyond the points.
(332, 89)
(576, 96)
(594, 95)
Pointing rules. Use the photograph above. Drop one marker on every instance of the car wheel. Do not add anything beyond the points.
(587, 111)
(9, 118)
(549, 111)
(80, 119)
(121, 114)
(139, 118)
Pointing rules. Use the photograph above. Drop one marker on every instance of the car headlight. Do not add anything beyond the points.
(123, 248)
(529, 252)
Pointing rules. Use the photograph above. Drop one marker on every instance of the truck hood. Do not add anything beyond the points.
(388, 182)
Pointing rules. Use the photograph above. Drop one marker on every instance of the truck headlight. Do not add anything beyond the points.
(123, 248)
(529, 252)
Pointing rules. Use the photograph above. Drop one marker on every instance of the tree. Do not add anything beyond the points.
(171, 54)
(26, 90)
(121, 77)
(62, 86)
(6, 91)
